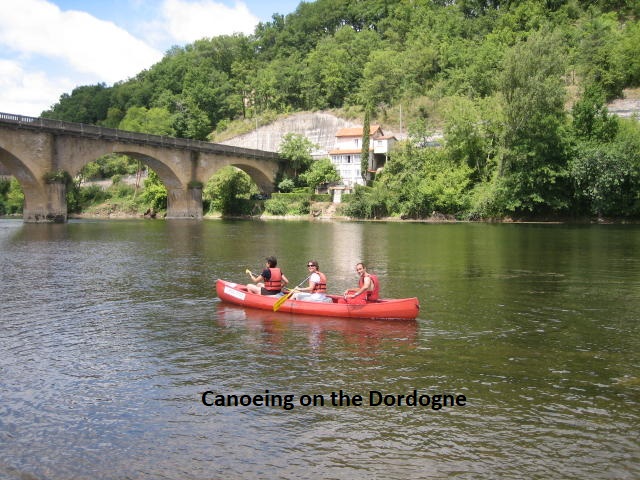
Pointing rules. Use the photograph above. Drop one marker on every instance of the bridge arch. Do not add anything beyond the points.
(263, 179)
(166, 174)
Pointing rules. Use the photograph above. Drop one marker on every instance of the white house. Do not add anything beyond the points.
(348, 149)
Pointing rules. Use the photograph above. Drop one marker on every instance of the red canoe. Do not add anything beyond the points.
(400, 309)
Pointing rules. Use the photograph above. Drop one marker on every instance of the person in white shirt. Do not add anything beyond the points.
(316, 291)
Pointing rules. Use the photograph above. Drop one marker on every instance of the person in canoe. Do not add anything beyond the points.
(368, 288)
(270, 281)
(317, 289)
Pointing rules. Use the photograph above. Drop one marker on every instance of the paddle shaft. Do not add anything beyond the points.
(281, 300)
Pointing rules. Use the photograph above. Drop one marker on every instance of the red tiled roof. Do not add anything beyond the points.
(356, 131)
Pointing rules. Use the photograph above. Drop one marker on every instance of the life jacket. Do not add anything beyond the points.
(322, 286)
(374, 294)
(274, 284)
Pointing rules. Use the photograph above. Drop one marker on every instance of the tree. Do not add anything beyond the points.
(606, 180)
(11, 196)
(155, 193)
(156, 121)
(366, 134)
(607, 175)
(471, 133)
(321, 171)
(591, 119)
(227, 189)
(601, 58)
(190, 121)
(334, 68)
(534, 146)
(296, 149)
(86, 104)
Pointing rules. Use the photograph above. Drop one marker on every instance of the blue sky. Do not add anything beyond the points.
(49, 47)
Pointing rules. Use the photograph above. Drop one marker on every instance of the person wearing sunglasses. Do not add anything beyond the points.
(316, 291)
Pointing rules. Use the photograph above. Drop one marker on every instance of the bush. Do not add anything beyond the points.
(286, 185)
(366, 202)
(121, 190)
(276, 206)
(155, 195)
(486, 201)
(11, 197)
(91, 195)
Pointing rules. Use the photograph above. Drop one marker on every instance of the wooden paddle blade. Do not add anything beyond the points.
(281, 300)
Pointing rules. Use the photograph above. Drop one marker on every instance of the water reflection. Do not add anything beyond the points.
(273, 328)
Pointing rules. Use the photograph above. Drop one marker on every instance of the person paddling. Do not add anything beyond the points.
(317, 289)
(270, 281)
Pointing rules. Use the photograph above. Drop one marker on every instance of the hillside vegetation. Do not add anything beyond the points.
(519, 89)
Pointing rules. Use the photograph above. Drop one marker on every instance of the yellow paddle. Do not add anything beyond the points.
(284, 298)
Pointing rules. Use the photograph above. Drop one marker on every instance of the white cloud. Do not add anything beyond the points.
(85, 43)
(187, 21)
(28, 93)
(45, 52)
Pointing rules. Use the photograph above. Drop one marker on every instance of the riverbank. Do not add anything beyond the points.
(322, 211)
(437, 218)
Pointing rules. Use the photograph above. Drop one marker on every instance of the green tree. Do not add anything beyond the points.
(334, 68)
(534, 147)
(11, 196)
(321, 171)
(228, 191)
(471, 132)
(155, 193)
(591, 119)
(85, 104)
(296, 150)
(157, 121)
(607, 175)
(366, 144)
(600, 56)
(190, 121)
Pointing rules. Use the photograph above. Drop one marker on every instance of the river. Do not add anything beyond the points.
(112, 332)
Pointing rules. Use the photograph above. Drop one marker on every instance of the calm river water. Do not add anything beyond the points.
(111, 331)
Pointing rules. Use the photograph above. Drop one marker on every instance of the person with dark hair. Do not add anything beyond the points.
(317, 289)
(270, 281)
(368, 288)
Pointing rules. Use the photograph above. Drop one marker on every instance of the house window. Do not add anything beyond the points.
(348, 158)
(357, 142)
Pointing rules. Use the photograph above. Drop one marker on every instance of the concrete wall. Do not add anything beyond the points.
(318, 127)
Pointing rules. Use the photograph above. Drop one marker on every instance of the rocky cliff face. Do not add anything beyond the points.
(625, 107)
(318, 127)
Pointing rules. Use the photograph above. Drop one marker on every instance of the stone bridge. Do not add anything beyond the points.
(38, 151)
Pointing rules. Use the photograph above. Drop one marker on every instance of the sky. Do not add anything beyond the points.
(49, 47)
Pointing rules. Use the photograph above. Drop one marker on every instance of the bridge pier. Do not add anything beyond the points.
(48, 207)
(183, 203)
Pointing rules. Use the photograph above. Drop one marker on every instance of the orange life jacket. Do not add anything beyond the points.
(274, 284)
(322, 286)
(371, 294)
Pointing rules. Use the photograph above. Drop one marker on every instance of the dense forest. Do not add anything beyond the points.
(518, 87)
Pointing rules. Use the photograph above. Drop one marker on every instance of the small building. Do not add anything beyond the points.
(348, 149)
